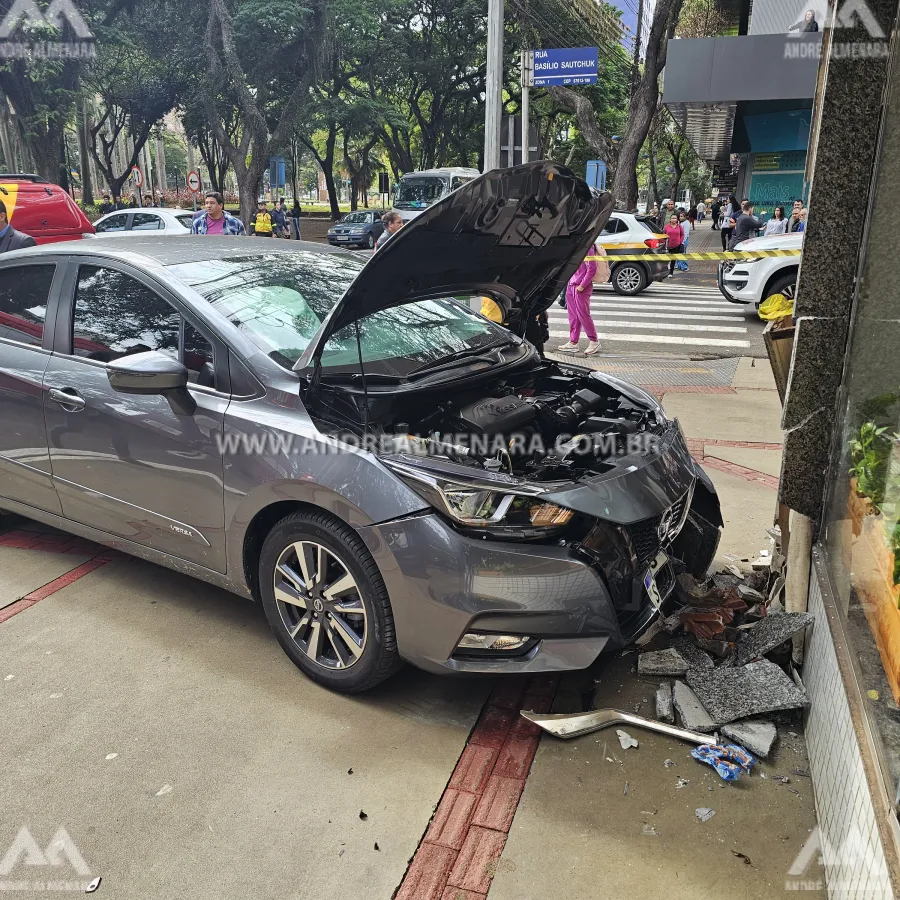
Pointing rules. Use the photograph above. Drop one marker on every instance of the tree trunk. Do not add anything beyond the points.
(82, 123)
(644, 102)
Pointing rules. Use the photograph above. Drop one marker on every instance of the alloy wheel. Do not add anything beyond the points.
(320, 604)
(629, 279)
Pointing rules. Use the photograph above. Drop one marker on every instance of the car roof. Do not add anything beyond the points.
(160, 210)
(171, 250)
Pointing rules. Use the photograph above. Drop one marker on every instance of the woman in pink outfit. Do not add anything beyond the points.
(578, 306)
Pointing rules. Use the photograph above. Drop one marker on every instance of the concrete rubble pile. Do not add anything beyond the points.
(727, 644)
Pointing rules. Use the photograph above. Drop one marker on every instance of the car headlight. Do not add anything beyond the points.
(358, 229)
(501, 512)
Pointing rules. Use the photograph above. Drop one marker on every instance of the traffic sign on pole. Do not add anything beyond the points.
(571, 65)
(137, 176)
(193, 182)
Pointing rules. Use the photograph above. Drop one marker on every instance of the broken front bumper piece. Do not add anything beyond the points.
(572, 726)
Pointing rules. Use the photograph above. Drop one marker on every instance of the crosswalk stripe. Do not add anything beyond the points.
(661, 287)
(674, 326)
(664, 307)
(658, 339)
(699, 317)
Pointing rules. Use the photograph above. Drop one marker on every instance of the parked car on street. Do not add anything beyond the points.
(754, 280)
(143, 220)
(42, 210)
(390, 474)
(632, 235)
(357, 229)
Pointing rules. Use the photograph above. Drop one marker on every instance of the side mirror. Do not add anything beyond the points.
(153, 373)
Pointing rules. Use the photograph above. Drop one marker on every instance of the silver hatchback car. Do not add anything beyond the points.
(392, 475)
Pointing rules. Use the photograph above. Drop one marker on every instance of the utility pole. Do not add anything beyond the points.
(493, 86)
(636, 67)
(527, 79)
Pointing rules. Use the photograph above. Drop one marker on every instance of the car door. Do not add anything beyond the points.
(26, 289)
(129, 464)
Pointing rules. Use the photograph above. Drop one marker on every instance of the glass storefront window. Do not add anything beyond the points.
(862, 531)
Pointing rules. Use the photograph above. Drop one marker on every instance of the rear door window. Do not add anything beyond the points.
(146, 222)
(24, 294)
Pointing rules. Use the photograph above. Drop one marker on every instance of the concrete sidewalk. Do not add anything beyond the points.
(598, 821)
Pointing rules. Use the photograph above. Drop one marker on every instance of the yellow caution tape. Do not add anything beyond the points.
(674, 257)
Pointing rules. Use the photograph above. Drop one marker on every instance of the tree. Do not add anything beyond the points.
(702, 18)
(622, 156)
(236, 65)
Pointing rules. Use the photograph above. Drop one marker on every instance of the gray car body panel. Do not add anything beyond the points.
(439, 581)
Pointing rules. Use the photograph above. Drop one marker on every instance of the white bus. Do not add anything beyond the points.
(419, 190)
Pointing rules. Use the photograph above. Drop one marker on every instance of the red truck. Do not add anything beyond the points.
(43, 210)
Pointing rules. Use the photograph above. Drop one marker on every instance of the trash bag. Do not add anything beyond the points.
(728, 760)
(776, 307)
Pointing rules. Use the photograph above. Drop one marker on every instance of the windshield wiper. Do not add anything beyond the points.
(370, 377)
(473, 354)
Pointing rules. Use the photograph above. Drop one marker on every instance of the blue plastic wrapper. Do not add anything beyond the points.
(728, 760)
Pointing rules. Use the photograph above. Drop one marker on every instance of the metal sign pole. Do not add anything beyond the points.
(527, 75)
(493, 94)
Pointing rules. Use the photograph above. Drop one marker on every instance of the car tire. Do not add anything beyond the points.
(786, 285)
(629, 279)
(344, 639)
(370, 243)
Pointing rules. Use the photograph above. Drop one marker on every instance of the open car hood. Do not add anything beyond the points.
(518, 234)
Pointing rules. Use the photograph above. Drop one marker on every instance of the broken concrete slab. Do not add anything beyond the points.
(665, 708)
(695, 657)
(770, 633)
(662, 662)
(693, 716)
(741, 693)
(755, 735)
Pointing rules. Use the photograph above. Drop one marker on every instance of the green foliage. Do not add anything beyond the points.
(869, 455)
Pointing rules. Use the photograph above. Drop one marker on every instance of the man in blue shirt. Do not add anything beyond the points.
(10, 239)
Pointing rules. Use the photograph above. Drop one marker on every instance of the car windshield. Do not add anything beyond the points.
(399, 340)
(357, 218)
(280, 300)
(421, 191)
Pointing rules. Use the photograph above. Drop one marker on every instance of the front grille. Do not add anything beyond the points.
(645, 540)
(645, 535)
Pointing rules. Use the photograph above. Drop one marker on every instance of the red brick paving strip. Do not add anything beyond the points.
(459, 854)
(52, 587)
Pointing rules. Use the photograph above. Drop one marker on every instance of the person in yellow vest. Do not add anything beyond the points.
(261, 225)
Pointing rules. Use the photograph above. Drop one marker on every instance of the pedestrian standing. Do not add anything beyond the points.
(716, 211)
(214, 219)
(578, 306)
(686, 226)
(392, 222)
(745, 226)
(692, 217)
(279, 219)
(794, 223)
(802, 226)
(701, 211)
(10, 239)
(261, 225)
(675, 240)
(148, 200)
(105, 206)
(666, 213)
(654, 213)
(295, 219)
(778, 223)
(732, 211)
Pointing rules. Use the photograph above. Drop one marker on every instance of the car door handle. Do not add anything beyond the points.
(68, 397)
